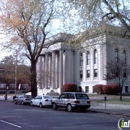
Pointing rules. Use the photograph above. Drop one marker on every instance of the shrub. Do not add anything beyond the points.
(98, 89)
(111, 89)
(69, 88)
(106, 89)
(115, 88)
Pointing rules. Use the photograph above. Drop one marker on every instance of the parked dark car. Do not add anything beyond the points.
(72, 100)
(23, 99)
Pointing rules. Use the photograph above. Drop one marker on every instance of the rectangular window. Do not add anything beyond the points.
(95, 73)
(116, 55)
(86, 89)
(88, 73)
(124, 73)
(126, 89)
(81, 74)
(95, 56)
(88, 58)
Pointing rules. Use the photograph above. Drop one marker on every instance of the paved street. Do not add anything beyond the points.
(17, 117)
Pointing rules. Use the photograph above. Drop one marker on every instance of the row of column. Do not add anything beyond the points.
(52, 69)
(92, 66)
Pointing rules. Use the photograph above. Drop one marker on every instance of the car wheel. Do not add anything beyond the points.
(69, 108)
(31, 103)
(40, 105)
(15, 102)
(54, 106)
(22, 103)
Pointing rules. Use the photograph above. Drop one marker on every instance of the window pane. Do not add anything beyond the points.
(95, 73)
(88, 73)
(88, 58)
(95, 56)
(81, 74)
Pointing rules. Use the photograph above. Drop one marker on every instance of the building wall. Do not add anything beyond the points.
(65, 65)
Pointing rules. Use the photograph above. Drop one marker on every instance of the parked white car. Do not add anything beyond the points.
(41, 101)
(23, 99)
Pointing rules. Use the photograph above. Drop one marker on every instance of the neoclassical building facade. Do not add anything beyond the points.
(81, 59)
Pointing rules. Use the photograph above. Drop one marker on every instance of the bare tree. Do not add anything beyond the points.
(27, 21)
(118, 71)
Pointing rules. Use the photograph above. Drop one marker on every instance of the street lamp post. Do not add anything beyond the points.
(16, 75)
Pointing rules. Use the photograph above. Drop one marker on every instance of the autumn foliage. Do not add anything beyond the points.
(107, 89)
(98, 89)
(69, 88)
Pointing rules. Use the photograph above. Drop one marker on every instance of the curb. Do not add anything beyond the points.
(109, 113)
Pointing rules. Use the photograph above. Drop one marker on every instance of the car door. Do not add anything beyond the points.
(20, 99)
(35, 100)
(61, 100)
(65, 100)
(39, 98)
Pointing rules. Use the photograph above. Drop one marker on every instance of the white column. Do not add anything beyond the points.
(53, 70)
(56, 71)
(46, 70)
(43, 72)
(64, 67)
(84, 66)
(77, 63)
(61, 69)
(92, 65)
(49, 70)
(100, 67)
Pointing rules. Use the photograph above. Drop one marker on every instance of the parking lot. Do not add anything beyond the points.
(25, 117)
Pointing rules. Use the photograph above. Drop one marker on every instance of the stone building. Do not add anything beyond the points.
(81, 59)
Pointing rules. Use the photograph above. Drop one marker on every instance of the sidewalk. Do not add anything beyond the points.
(9, 98)
(111, 109)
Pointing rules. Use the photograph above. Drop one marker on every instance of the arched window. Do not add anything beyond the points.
(88, 58)
(116, 55)
(124, 56)
(95, 56)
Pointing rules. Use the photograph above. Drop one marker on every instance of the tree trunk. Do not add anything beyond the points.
(33, 79)
(121, 93)
(6, 91)
(120, 96)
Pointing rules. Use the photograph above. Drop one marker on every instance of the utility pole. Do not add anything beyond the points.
(16, 74)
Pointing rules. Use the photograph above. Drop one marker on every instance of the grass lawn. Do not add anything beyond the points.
(111, 99)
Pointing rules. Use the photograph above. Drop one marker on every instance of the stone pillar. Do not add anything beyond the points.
(61, 69)
(53, 70)
(46, 70)
(92, 65)
(43, 72)
(64, 67)
(84, 66)
(100, 64)
(49, 70)
(56, 70)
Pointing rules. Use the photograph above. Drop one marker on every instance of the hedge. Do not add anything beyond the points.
(69, 88)
(98, 89)
(107, 89)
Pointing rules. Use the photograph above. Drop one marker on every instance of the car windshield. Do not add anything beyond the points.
(46, 97)
(81, 96)
(28, 96)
